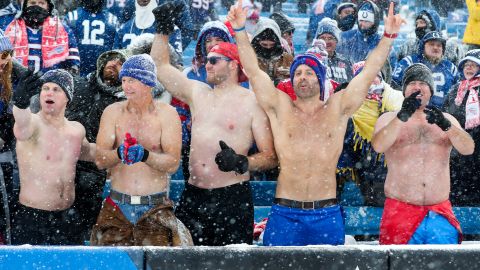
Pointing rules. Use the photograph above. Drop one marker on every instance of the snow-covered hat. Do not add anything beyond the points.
(142, 68)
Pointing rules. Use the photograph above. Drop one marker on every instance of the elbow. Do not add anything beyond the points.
(377, 146)
(469, 150)
(100, 162)
(174, 166)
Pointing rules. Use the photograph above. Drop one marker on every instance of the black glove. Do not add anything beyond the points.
(435, 116)
(29, 85)
(166, 15)
(409, 106)
(227, 160)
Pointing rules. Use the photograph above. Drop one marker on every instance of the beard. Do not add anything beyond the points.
(215, 78)
(110, 77)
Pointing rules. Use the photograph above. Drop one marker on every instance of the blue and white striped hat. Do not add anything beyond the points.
(5, 44)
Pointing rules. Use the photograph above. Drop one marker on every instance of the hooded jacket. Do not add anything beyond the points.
(453, 52)
(278, 65)
(355, 45)
(92, 96)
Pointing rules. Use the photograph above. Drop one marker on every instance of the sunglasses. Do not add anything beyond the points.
(5, 54)
(214, 59)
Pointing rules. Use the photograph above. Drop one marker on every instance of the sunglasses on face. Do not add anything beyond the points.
(5, 54)
(214, 59)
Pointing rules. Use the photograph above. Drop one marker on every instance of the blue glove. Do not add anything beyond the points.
(136, 153)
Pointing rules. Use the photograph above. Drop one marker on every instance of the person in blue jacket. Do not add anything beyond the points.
(430, 53)
(142, 23)
(94, 29)
(357, 43)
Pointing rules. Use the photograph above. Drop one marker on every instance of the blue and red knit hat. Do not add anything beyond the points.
(316, 64)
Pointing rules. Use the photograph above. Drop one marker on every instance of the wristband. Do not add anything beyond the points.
(146, 153)
(118, 153)
(238, 29)
(385, 34)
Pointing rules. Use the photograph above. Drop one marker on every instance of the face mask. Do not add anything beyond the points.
(265, 53)
(420, 32)
(34, 16)
(347, 22)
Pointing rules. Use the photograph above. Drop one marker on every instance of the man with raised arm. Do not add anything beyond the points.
(139, 141)
(308, 136)
(48, 148)
(417, 141)
(216, 204)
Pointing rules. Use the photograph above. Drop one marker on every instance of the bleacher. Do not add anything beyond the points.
(358, 220)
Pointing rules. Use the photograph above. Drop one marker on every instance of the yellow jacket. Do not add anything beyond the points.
(472, 31)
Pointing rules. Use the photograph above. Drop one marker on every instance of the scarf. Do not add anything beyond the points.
(144, 17)
(54, 41)
(472, 107)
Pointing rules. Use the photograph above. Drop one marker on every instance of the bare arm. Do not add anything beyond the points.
(106, 154)
(173, 79)
(171, 142)
(262, 133)
(88, 151)
(24, 126)
(386, 132)
(460, 139)
(267, 95)
(357, 89)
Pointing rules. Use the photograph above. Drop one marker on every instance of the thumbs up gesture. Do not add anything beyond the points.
(228, 160)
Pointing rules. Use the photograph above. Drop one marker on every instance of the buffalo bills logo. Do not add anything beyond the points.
(311, 63)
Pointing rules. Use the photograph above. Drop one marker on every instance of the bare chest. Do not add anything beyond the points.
(58, 146)
(316, 135)
(226, 115)
(422, 133)
(147, 129)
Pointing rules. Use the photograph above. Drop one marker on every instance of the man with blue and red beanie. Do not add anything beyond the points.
(308, 135)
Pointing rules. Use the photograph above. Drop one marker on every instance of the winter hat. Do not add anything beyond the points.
(433, 35)
(62, 78)
(313, 61)
(341, 6)
(328, 26)
(472, 55)
(142, 68)
(5, 44)
(366, 13)
(230, 50)
(418, 72)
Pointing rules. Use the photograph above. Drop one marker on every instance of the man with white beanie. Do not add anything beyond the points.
(139, 141)
(48, 148)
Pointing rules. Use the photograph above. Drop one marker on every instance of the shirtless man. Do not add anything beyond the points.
(217, 203)
(139, 141)
(48, 148)
(417, 141)
(308, 136)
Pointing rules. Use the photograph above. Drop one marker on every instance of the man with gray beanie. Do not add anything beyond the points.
(417, 141)
(139, 141)
(48, 148)
(339, 68)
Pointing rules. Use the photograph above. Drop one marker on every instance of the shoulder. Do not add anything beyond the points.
(114, 108)
(77, 127)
